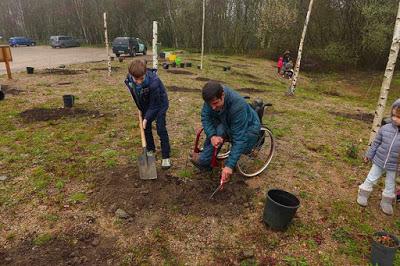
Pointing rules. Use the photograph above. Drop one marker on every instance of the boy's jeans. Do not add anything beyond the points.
(373, 176)
(206, 154)
(161, 132)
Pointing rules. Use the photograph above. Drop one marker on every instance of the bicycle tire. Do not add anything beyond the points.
(270, 153)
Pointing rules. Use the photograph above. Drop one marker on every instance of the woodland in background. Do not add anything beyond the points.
(341, 33)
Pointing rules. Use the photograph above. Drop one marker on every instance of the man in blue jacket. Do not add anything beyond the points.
(151, 98)
(226, 116)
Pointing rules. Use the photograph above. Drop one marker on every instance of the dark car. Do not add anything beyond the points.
(62, 41)
(128, 45)
(17, 41)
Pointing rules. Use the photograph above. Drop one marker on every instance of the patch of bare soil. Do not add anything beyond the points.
(80, 245)
(123, 188)
(106, 68)
(247, 75)
(256, 82)
(207, 79)
(332, 93)
(220, 61)
(11, 90)
(241, 65)
(64, 83)
(250, 90)
(45, 114)
(365, 117)
(179, 72)
(182, 89)
(63, 71)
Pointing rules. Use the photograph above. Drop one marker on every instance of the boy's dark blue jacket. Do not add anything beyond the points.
(150, 96)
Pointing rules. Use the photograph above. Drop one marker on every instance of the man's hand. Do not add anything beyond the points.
(225, 175)
(216, 141)
(144, 123)
(366, 160)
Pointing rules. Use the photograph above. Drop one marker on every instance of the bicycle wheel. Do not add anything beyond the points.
(258, 159)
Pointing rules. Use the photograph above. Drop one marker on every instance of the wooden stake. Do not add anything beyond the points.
(7, 63)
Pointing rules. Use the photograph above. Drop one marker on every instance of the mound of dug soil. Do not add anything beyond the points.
(45, 114)
(79, 246)
(207, 79)
(182, 89)
(11, 90)
(124, 189)
(365, 117)
(179, 72)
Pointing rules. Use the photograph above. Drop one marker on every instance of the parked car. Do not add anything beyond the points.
(17, 41)
(62, 41)
(128, 45)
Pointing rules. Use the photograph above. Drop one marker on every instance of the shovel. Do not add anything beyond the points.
(147, 164)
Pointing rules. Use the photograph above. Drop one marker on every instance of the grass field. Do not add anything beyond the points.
(69, 170)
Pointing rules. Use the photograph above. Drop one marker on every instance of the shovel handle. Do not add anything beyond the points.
(144, 144)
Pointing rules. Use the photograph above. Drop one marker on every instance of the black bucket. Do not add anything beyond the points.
(68, 100)
(382, 255)
(2, 95)
(165, 65)
(280, 208)
(29, 70)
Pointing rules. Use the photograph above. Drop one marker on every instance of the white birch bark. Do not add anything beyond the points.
(202, 34)
(387, 78)
(106, 40)
(155, 51)
(292, 87)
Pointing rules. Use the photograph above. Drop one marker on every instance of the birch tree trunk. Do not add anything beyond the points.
(202, 35)
(106, 40)
(292, 87)
(387, 78)
(79, 9)
(155, 51)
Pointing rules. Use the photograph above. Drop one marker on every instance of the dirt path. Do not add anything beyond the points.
(41, 57)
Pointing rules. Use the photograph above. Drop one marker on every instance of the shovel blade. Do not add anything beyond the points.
(147, 166)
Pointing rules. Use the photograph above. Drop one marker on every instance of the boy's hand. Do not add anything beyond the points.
(144, 123)
(366, 160)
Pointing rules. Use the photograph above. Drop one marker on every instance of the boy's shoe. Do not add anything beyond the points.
(386, 205)
(166, 163)
(363, 196)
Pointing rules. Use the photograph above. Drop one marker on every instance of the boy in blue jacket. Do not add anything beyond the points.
(151, 98)
(226, 115)
(384, 155)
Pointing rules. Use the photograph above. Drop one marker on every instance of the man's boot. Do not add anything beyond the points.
(363, 196)
(387, 205)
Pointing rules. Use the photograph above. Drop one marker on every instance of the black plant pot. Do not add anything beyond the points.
(173, 64)
(68, 101)
(29, 70)
(182, 65)
(165, 65)
(382, 255)
(2, 95)
(188, 64)
(280, 208)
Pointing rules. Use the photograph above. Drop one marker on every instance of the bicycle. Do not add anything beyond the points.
(258, 159)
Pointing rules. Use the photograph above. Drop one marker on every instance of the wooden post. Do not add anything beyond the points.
(155, 51)
(106, 38)
(202, 35)
(6, 57)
